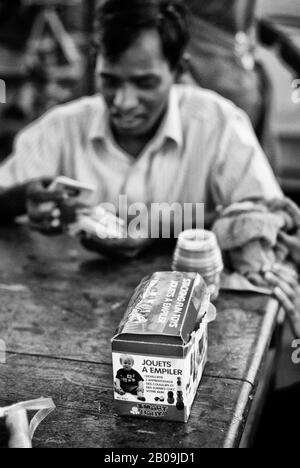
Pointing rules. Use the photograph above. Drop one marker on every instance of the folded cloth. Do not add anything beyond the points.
(253, 257)
(237, 230)
(251, 236)
(248, 234)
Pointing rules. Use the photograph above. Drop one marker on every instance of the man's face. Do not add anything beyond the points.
(136, 87)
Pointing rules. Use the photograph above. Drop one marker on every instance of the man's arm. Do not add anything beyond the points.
(37, 152)
(241, 170)
(36, 156)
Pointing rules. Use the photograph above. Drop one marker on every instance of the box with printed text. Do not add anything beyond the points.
(160, 348)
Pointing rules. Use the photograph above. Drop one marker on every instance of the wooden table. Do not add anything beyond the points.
(59, 308)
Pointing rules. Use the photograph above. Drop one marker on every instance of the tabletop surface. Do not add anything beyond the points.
(59, 309)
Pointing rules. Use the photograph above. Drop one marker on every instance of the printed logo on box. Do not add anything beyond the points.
(153, 411)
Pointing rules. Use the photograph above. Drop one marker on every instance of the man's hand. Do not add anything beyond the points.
(292, 241)
(286, 288)
(293, 244)
(127, 248)
(49, 211)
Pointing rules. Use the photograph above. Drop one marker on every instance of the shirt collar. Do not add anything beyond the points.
(99, 126)
(171, 127)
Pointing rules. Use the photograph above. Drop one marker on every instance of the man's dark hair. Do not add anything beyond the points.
(119, 22)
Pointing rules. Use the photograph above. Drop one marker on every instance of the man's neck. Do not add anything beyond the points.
(132, 145)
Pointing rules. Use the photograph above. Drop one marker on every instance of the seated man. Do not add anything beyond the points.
(144, 136)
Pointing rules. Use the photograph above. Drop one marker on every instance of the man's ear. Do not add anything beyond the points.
(185, 62)
(183, 66)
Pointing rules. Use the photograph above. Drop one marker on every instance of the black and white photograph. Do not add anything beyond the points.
(149, 226)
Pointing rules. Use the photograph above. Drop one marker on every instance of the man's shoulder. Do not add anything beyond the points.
(80, 108)
(75, 115)
(201, 104)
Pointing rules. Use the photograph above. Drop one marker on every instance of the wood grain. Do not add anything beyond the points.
(59, 309)
(85, 415)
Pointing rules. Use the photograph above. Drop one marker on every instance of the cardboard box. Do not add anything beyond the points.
(160, 347)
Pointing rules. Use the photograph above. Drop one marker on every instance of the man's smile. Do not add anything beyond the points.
(127, 121)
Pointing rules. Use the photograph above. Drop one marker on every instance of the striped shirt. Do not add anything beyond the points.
(204, 152)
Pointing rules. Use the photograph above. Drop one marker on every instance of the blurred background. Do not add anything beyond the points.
(46, 59)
